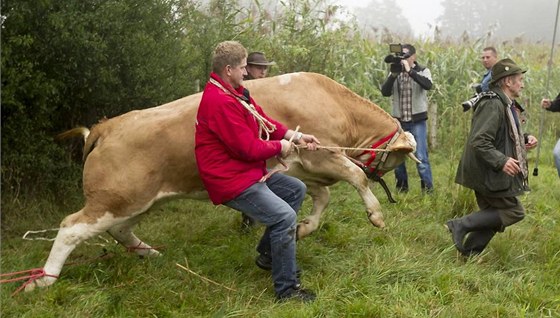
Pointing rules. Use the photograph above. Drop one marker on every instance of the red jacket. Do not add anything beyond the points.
(229, 153)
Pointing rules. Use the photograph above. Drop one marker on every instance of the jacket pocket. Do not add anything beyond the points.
(498, 181)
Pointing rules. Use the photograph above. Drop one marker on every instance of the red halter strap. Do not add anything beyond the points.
(387, 140)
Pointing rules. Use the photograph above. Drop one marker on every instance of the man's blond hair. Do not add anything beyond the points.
(227, 53)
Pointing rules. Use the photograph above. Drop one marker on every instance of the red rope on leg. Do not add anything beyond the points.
(33, 275)
(137, 247)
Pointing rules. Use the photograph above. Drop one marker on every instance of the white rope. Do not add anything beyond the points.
(25, 237)
(348, 148)
(264, 124)
(38, 238)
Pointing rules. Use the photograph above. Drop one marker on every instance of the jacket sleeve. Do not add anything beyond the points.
(487, 123)
(555, 106)
(387, 87)
(423, 78)
(230, 123)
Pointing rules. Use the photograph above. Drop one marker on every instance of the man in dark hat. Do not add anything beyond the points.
(494, 163)
(257, 66)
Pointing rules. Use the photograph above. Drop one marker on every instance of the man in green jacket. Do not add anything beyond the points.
(494, 163)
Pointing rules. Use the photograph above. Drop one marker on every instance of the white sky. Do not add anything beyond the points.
(420, 13)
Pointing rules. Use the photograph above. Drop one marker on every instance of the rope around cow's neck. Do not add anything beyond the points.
(346, 148)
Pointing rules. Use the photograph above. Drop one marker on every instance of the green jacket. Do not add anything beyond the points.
(488, 147)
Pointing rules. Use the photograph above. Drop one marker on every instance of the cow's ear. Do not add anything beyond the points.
(405, 142)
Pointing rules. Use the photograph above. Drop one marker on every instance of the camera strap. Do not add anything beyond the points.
(480, 96)
(490, 94)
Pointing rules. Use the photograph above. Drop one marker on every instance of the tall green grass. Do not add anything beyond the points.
(411, 269)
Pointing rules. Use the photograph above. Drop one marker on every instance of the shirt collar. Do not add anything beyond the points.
(237, 92)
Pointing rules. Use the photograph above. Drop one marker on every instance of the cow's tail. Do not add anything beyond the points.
(78, 131)
(89, 141)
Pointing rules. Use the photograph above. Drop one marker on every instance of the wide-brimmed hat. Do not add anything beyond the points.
(504, 68)
(258, 58)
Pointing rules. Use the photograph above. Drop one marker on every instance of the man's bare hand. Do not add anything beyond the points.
(310, 141)
(286, 148)
(511, 167)
(532, 142)
(405, 65)
(545, 103)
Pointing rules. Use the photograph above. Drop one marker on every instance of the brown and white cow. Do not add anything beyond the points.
(136, 159)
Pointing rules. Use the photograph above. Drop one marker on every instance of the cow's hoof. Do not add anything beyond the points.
(304, 228)
(144, 251)
(376, 220)
(149, 253)
(40, 282)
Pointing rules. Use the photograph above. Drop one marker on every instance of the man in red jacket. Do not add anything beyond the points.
(233, 140)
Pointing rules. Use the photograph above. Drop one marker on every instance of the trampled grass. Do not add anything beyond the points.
(411, 269)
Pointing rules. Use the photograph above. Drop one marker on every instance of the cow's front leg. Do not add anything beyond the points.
(320, 196)
(335, 166)
(354, 175)
(123, 234)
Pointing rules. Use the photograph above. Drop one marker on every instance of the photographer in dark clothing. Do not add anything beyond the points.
(409, 85)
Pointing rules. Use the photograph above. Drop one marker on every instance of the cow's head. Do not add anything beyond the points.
(404, 146)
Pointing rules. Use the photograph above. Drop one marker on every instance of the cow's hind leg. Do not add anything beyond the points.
(123, 234)
(320, 196)
(74, 229)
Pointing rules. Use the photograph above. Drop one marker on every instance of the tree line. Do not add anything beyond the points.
(67, 63)
(72, 62)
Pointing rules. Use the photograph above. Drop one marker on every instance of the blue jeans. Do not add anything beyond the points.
(419, 131)
(556, 154)
(275, 204)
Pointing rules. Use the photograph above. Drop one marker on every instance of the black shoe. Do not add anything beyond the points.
(457, 234)
(264, 262)
(484, 220)
(428, 190)
(247, 222)
(297, 293)
(402, 189)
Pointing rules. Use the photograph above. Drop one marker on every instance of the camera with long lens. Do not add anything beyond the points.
(395, 58)
(468, 104)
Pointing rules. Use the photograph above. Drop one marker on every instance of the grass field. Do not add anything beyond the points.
(411, 269)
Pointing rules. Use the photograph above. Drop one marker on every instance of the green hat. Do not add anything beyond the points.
(504, 68)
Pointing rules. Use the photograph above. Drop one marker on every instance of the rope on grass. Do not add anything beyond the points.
(204, 278)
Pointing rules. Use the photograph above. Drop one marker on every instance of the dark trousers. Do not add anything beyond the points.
(510, 210)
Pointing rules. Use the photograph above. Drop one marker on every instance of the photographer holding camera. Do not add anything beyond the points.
(408, 83)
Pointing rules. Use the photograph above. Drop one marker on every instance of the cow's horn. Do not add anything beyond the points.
(413, 157)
